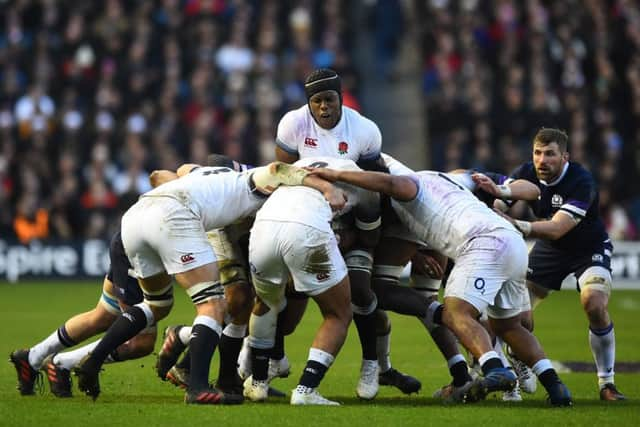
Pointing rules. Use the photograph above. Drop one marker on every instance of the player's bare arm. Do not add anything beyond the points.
(553, 229)
(519, 189)
(285, 157)
(400, 187)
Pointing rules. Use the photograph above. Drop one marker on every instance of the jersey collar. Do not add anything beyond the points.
(558, 179)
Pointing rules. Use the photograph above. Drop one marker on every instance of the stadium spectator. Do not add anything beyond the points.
(497, 71)
(149, 85)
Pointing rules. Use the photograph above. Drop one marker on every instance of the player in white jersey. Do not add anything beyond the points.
(325, 127)
(490, 266)
(164, 235)
(292, 235)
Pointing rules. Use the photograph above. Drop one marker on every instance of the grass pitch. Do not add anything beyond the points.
(132, 395)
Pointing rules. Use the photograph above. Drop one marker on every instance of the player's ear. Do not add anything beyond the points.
(565, 156)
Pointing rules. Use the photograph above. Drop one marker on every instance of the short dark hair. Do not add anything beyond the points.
(546, 136)
(220, 160)
(320, 80)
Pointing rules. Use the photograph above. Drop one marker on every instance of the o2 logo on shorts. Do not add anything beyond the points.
(321, 277)
(187, 258)
(479, 284)
(597, 258)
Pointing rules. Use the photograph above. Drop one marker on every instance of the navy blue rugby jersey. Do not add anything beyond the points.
(574, 192)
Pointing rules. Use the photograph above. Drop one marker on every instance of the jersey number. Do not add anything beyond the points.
(319, 165)
(216, 171)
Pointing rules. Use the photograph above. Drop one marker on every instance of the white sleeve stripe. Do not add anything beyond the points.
(573, 216)
(573, 209)
(285, 147)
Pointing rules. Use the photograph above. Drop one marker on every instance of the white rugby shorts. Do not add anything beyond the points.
(490, 274)
(311, 256)
(161, 234)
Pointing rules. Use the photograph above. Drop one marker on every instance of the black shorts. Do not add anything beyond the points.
(549, 266)
(126, 288)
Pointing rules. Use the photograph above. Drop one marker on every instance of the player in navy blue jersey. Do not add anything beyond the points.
(571, 239)
(120, 291)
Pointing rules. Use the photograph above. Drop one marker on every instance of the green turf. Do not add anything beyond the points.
(132, 395)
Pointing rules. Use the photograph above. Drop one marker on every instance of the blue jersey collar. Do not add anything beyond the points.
(558, 179)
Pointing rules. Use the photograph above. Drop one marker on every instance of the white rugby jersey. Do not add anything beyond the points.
(218, 195)
(354, 137)
(307, 206)
(445, 215)
(395, 166)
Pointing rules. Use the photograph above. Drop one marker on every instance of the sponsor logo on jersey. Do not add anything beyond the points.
(343, 148)
(187, 258)
(597, 258)
(557, 200)
(322, 276)
(311, 142)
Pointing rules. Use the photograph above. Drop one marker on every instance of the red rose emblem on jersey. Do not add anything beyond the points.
(343, 148)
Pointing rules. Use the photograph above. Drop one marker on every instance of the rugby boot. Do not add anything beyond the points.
(211, 396)
(559, 395)
(171, 350)
(59, 378)
(610, 392)
(405, 383)
(27, 376)
(452, 394)
(498, 379)
(179, 377)
(255, 390)
(302, 395)
(88, 377)
(368, 386)
(279, 368)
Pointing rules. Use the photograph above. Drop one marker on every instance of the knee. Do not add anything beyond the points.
(160, 312)
(239, 298)
(594, 306)
(526, 320)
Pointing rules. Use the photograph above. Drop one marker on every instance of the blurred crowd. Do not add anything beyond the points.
(495, 71)
(95, 95)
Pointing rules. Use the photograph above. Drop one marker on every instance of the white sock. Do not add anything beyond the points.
(603, 348)
(40, 351)
(184, 334)
(383, 346)
(70, 359)
(488, 355)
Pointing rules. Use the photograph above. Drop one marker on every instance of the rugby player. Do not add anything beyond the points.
(570, 239)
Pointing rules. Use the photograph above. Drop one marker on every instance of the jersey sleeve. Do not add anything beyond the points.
(577, 203)
(286, 134)
(373, 146)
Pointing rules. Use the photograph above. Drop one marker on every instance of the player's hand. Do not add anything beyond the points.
(427, 265)
(336, 198)
(327, 174)
(485, 183)
(160, 176)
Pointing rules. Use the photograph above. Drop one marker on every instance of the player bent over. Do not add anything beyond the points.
(490, 265)
(164, 236)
